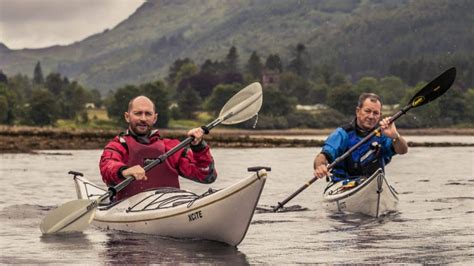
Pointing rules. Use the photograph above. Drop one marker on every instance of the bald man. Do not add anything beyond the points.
(129, 152)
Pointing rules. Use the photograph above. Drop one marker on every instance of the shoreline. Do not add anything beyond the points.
(15, 139)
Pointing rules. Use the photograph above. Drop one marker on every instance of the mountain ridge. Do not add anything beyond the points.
(361, 37)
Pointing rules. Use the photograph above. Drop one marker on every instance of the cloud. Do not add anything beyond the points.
(42, 23)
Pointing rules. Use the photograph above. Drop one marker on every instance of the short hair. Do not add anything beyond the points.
(130, 103)
(368, 95)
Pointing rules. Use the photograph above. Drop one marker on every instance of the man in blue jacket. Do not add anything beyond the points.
(374, 154)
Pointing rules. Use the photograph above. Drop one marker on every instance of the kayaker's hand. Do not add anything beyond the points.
(197, 133)
(321, 171)
(136, 171)
(389, 130)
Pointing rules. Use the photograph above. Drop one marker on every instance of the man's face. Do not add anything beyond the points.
(142, 116)
(369, 114)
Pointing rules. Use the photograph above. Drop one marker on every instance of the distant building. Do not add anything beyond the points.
(270, 78)
(90, 106)
(315, 107)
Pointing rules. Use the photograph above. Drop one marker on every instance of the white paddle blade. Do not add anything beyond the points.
(243, 105)
(73, 216)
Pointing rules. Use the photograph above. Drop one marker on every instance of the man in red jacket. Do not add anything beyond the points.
(129, 152)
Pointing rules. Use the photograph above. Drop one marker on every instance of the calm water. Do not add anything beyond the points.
(435, 223)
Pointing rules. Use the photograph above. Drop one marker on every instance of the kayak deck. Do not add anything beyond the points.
(373, 196)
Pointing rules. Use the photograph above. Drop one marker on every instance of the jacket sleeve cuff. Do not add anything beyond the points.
(328, 156)
(119, 172)
(199, 147)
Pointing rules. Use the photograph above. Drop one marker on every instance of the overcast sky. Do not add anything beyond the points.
(43, 23)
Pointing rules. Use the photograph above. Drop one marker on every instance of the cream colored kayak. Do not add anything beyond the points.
(222, 215)
(372, 196)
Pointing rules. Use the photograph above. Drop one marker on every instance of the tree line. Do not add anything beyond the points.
(41, 101)
(327, 95)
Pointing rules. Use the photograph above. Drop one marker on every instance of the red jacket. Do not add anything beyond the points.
(196, 163)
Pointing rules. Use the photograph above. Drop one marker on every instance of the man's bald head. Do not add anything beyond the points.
(141, 115)
(140, 100)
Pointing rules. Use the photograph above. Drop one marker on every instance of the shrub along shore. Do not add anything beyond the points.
(30, 139)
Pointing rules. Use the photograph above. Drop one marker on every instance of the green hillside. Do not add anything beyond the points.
(360, 37)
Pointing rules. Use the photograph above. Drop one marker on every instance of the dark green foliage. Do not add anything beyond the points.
(254, 66)
(305, 91)
(4, 108)
(8, 105)
(3, 77)
(96, 98)
(38, 77)
(300, 64)
(273, 62)
(343, 99)
(203, 83)
(232, 61)
(54, 83)
(391, 89)
(188, 103)
(44, 110)
(174, 69)
(276, 103)
(453, 107)
(212, 67)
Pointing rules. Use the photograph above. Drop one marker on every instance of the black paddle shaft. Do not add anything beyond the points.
(428, 93)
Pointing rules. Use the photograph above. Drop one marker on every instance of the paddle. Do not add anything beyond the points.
(428, 93)
(76, 215)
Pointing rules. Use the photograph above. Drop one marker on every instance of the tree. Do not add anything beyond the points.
(277, 103)
(469, 112)
(54, 83)
(3, 77)
(343, 99)
(254, 66)
(300, 64)
(452, 107)
(203, 83)
(273, 62)
(367, 84)
(212, 67)
(188, 103)
(232, 60)
(73, 100)
(44, 109)
(96, 98)
(8, 105)
(175, 68)
(3, 109)
(391, 89)
(38, 77)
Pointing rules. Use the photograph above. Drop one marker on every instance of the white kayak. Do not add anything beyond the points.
(372, 196)
(221, 215)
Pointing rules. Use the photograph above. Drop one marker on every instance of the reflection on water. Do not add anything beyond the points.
(122, 247)
(77, 240)
(433, 223)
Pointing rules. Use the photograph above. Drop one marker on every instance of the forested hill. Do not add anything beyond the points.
(360, 37)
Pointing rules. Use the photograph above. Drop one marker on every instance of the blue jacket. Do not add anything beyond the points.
(374, 154)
